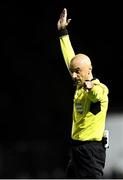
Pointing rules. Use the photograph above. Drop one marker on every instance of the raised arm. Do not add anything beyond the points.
(65, 43)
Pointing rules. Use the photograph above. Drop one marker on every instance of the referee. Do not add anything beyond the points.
(90, 104)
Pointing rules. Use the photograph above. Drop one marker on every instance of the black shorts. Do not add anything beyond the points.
(87, 160)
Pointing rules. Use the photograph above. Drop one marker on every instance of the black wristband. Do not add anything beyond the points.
(62, 32)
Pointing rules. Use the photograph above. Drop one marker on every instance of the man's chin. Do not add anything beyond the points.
(79, 83)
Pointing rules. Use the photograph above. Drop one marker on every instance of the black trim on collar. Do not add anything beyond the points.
(93, 79)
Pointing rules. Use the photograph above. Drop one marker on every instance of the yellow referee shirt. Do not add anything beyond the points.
(89, 108)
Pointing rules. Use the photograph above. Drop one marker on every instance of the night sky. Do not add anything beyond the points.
(36, 89)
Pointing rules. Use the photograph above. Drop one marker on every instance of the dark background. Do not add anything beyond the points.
(35, 87)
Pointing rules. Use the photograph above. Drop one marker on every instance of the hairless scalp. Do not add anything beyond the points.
(82, 58)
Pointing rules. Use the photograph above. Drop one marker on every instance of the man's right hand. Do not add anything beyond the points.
(63, 21)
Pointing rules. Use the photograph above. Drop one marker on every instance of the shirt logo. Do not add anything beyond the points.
(78, 106)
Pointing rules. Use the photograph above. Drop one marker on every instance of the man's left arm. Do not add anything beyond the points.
(97, 92)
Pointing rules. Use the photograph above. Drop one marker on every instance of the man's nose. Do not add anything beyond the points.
(74, 75)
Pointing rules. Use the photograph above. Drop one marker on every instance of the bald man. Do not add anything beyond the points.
(82, 64)
(90, 105)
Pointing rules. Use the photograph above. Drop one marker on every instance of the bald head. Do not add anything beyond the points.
(81, 58)
(81, 68)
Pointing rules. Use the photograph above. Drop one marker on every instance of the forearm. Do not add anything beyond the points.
(66, 46)
(98, 93)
